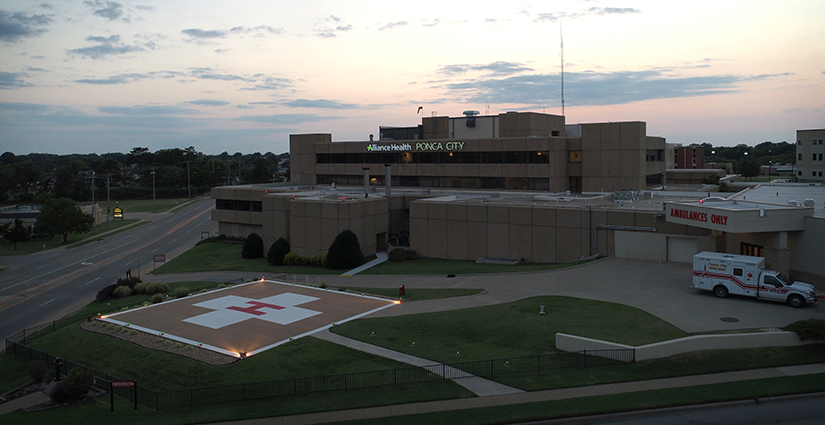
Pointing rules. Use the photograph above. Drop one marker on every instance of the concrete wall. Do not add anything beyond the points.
(446, 228)
(653, 246)
(808, 249)
(614, 156)
(314, 223)
(689, 344)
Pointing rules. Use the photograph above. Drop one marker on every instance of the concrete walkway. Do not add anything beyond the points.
(24, 402)
(479, 386)
(381, 257)
(533, 396)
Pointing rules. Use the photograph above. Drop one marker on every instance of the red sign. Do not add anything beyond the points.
(160, 258)
(122, 384)
(699, 216)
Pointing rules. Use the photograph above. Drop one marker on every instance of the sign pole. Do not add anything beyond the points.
(112, 395)
(135, 393)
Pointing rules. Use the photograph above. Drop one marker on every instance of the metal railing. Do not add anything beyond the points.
(541, 363)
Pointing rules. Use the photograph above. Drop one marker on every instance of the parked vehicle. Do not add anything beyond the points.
(725, 274)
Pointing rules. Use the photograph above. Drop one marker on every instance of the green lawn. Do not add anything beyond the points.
(225, 255)
(509, 330)
(418, 294)
(148, 205)
(442, 266)
(24, 248)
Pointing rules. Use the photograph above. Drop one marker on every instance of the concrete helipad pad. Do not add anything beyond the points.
(249, 318)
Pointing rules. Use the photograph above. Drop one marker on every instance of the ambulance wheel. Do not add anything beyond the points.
(796, 301)
(720, 291)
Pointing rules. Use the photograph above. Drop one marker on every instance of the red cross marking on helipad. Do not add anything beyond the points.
(256, 306)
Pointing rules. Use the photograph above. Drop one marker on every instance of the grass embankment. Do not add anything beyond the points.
(225, 255)
(442, 266)
(29, 247)
(509, 330)
(419, 294)
(148, 205)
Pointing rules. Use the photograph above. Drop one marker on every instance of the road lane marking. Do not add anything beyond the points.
(41, 305)
(97, 278)
(174, 240)
(86, 263)
(43, 266)
(128, 263)
(68, 265)
(154, 250)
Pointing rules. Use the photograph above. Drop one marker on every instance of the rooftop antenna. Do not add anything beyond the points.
(561, 39)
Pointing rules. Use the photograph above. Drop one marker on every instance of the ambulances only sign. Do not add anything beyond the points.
(699, 216)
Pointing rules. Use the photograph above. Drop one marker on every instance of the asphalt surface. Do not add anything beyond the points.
(41, 287)
(660, 289)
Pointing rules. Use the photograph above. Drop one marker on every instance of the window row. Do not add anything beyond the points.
(234, 205)
(813, 173)
(513, 183)
(529, 157)
(813, 142)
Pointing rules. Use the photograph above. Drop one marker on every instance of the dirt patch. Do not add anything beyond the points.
(155, 342)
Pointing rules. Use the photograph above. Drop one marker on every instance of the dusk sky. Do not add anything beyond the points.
(240, 76)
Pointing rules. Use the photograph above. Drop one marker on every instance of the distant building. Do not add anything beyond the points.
(690, 157)
(810, 155)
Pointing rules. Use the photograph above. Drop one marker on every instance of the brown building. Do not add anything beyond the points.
(810, 155)
(690, 157)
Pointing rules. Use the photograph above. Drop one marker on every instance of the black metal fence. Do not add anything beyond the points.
(542, 363)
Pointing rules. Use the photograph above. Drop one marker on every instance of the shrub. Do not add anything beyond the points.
(156, 288)
(181, 292)
(105, 293)
(221, 285)
(289, 259)
(253, 247)
(37, 370)
(345, 251)
(319, 260)
(302, 261)
(77, 383)
(811, 329)
(122, 291)
(401, 254)
(140, 288)
(211, 239)
(130, 282)
(157, 298)
(277, 251)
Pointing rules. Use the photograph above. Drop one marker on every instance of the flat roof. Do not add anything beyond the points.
(783, 193)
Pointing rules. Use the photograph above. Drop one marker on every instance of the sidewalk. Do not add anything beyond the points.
(533, 396)
(23, 402)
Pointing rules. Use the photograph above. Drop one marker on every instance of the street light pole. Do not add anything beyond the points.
(154, 198)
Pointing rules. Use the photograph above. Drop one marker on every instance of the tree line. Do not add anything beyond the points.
(140, 173)
(747, 160)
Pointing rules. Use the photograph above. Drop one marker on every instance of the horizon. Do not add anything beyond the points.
(92, 77)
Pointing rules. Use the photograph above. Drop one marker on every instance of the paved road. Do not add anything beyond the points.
(804, 410)
(44, 286)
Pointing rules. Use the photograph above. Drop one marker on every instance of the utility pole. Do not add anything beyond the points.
(154, 198)
(188, 181)
(94, 211)
(108, 198)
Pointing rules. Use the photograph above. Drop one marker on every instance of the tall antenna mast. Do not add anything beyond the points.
(561, 39)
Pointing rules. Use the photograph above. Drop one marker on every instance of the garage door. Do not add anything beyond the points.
(681, 250)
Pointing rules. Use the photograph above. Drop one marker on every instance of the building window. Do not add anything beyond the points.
(751, 249)
(820, 157)
(575, 156)
(799, 173)
(799, 157)
(813, 157)
(799, 142)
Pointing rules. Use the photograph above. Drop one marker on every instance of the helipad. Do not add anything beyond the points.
(246, 319)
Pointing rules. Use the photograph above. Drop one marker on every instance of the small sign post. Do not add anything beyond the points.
(117, 213)
(122, 384)
(159, 258)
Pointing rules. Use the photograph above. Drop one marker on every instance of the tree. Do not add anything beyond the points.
(277, 252)
(62, 217)
(747, 167)
(253, 247)
(16, 233)
(345, 251)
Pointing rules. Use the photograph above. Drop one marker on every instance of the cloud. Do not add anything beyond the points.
(107, 9)
(33, 69)
(13, 80)
(269, 83)
(499, 68)
(144, 110)
(593, 11)
(107, 46)
(199, 33)
(140, 7)
(593, 88)
(207, 102)
(209, 74)
(244, 107)
(16, 26)
(392, 25)
(318, 103)
(115, 79)
(331, 31)
(433, 23)
(286, 118)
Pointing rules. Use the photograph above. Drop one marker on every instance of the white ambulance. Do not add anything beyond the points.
(743, 275)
